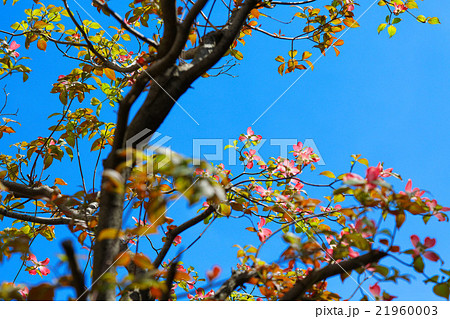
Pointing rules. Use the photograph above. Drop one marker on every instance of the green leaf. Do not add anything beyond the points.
(328, 174)
(434, 21)
(418, 264)
(412, 5)
(442, 290)
(381, 27)
(396, 20)
(392, 30)
(422, 19)
(94, 25)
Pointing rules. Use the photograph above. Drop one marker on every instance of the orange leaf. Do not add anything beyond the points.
(337, 51)
(142, 261)
(351, 23)
(214, 273)
(255, 13)
(42, 44)
(306, 55)
(6, 129)
(109, 74)
(181, 275)
(123, 259)
(311, 65)
(60, 181)
(339, 42)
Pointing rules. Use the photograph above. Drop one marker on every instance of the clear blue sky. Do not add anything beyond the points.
(383, 98)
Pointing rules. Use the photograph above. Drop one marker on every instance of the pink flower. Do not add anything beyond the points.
(123, 58)
(375, 290)
(287, 168)
(350, 5)
(250, 136)
(416, 192)
(352, 253)
(372, 174)
(353, 179)
(306, 155)
(138, 222)
(297, 184)
(24, 291)
(200, 294)
(12, 48)
(399, 8)
(250, 157)
(432, 206)
(420, 248)
(298, 148)
(263, 233)
(384, 172)
(263, 192)
(177, 240)
(38, 266)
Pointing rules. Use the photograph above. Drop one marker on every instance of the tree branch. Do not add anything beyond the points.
(169, 16)
(47, 193)
(77, 276)
(169, 280)
(316, 276)
(105, 62)
(124, 25)
(237, 279)
(34, 219)
(294, 3)
(171, 234)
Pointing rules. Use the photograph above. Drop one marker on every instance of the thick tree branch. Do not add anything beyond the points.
(237, 279)
(124, 25)
(316, 276)
(77, 276)
(169, 280)
(122, 118)
(171, 234)
(34, 219)
(169, 16)
(224, 40)
(47, 193)
(294, 3)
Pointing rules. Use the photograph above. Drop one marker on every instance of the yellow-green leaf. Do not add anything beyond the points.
(392, 30)
(328, 174)
(434, 21)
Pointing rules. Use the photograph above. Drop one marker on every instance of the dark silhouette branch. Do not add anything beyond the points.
(47, 193)
(294, 3)
(169, 280)
(77, 276)
(105, 61)
(169, 16)
(171, 234)
(124, 25)
(35, 219)
(331, 270)
(237, 279)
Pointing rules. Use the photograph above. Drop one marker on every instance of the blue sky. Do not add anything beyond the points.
(383, 98)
